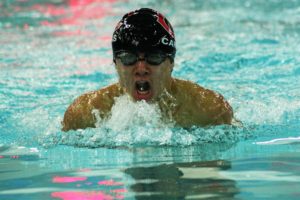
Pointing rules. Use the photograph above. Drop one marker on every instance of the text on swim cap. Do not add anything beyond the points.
(114, 38)
(166, 41)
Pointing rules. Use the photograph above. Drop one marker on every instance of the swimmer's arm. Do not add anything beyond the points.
(220, 110)
(224, 115)
(79, 115)
(205, 107)
(212, 108)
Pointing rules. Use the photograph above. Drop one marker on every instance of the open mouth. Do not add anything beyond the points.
(143, 90)
(142, 87)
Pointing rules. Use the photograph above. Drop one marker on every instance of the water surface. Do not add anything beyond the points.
(52, 51)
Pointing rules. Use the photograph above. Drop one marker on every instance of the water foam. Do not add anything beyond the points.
(141, 124)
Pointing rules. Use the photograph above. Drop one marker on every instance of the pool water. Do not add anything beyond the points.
(51, 51)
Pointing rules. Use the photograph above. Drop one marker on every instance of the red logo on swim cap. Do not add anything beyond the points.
(118, 25)
(164, 24)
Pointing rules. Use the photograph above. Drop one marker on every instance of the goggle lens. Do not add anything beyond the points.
(128, 58)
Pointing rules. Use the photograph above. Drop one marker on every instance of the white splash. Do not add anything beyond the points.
(140, 124)
(132, 122)
(126, 113)
(289, 140)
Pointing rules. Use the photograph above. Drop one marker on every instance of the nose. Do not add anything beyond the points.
(141, 67)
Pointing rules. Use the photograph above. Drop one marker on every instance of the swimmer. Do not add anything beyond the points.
(143, 45)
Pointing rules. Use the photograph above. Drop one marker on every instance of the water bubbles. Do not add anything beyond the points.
(126, 113)
(140, 124)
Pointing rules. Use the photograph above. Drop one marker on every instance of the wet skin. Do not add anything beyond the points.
(183, 102)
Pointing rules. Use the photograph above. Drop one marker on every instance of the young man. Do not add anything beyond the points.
(143, 46)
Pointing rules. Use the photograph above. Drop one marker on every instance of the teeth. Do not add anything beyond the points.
(143, 86)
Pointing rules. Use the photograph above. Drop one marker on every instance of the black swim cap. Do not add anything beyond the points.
(144, 30)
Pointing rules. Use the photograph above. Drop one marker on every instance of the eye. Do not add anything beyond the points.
(127, 58)
(155, 58)
(124, 54)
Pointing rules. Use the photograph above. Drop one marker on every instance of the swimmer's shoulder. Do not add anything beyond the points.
(109, 92)
(198, 92)
(80, 113)
(210, 106)
(102, 99)
(187, 85)
(191, 90)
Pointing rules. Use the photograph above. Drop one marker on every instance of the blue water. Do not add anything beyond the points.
(52, 51)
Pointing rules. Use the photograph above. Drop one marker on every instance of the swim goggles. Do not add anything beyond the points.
(153, 58)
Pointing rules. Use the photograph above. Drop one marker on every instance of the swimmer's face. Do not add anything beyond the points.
(145, 76)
